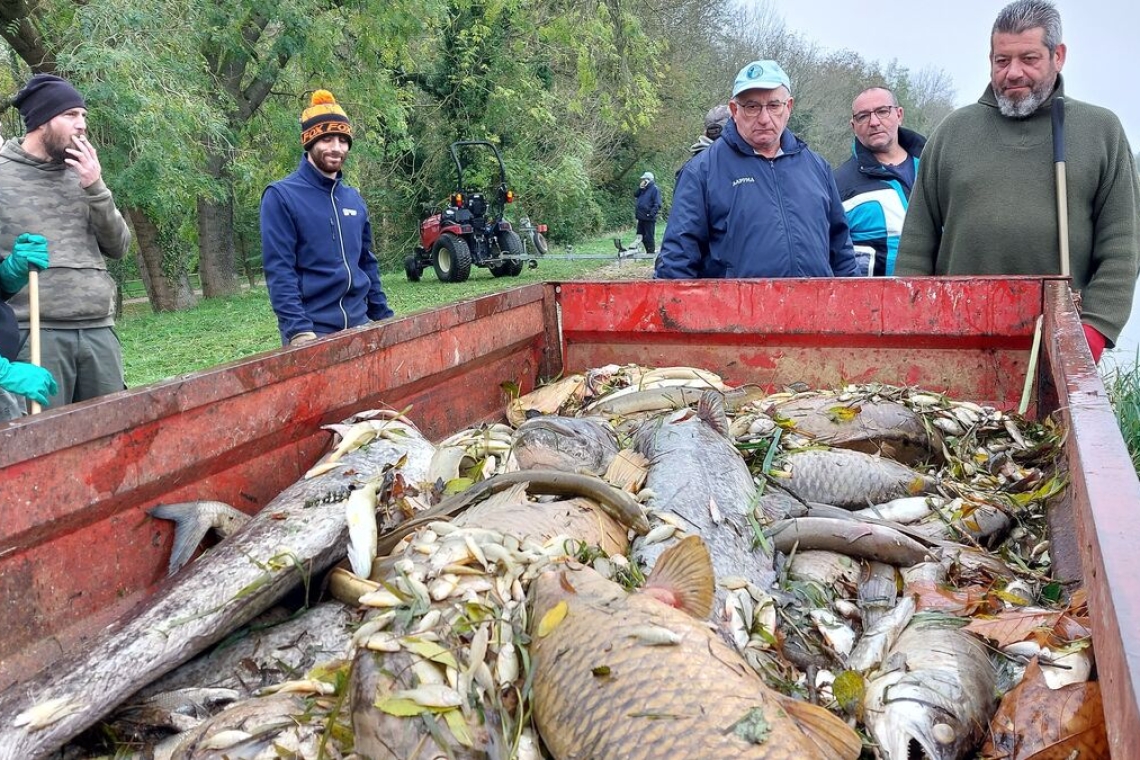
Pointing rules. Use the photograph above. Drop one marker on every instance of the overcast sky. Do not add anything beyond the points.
(1102, 37)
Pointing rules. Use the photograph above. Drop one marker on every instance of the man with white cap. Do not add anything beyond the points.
(757, 202)
(648, 199)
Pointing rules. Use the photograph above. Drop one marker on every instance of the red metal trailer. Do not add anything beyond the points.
(76, 548)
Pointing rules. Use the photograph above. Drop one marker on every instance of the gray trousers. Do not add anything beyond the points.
(85, 363)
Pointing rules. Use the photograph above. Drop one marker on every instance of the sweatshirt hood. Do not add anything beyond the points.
(13, 150)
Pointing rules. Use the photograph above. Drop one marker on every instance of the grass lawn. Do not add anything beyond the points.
(219, 330)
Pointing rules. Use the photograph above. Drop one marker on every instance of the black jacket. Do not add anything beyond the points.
(648, 202)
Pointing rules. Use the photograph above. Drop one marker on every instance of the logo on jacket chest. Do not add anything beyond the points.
(348, 211)
(743, 180)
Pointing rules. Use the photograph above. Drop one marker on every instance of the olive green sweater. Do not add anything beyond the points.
(985, 203)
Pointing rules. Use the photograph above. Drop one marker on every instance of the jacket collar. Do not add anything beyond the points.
(912, 142)
(788, 141)
(310, 174)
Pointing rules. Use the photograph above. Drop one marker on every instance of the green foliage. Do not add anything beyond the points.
(1123, 385)
(157, 346)
(200, 101)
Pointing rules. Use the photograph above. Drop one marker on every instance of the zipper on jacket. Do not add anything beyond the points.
(339, 234)
(792, 263)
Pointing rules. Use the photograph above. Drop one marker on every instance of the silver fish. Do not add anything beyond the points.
(293, 537)
(575, 444)
(192, 521)
(938, 700)
(699, 479)
(874, 427)
(850, 479)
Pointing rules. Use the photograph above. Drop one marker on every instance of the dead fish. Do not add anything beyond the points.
(192, 521)
(699, 479)
(878, 592)
(938, 703)
(878, 637)
(873, 427)
(518, 522)
(851, 537)
(574, 444)
(273, 647)
(603, 693)
(850, 479)
(266, 728)
(667, 398)
(617, 503)
(293, 536)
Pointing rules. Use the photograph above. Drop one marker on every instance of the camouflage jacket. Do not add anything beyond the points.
(82, 226)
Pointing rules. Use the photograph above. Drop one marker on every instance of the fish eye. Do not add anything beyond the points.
(943, 733)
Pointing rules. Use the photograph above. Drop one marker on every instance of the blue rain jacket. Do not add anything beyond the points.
(737, 214)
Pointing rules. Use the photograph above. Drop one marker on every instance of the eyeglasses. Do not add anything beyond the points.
(752, 110)
(881, 113)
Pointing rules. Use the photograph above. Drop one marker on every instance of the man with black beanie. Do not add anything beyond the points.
(51, 185)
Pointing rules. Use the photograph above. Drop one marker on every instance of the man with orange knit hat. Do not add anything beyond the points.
(316, 240)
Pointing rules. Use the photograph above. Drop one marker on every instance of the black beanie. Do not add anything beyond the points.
(44, 97)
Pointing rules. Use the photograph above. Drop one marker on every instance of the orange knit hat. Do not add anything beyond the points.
(323, 117)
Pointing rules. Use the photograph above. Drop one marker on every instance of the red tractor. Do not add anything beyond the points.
(470, 230)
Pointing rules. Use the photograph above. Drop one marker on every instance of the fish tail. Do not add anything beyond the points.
(192, 520)
(685, 571)
(833, 738)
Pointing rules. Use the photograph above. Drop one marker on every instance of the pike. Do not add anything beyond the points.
(296, 535)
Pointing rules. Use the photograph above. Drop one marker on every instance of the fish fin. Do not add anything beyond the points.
(834, 739)
(191, 523)
(710, 408)
(685, 572)
(628, 470)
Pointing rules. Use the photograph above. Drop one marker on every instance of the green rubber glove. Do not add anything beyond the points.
(28, 251)
(36, 383)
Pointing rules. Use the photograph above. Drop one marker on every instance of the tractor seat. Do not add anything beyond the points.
(477, 205)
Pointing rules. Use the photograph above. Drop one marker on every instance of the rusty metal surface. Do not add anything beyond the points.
(75, 538)
(967, 337)
(1105, 497)
(75, 546)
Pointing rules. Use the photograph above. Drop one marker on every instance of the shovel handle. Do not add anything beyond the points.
(34, 322)
(1057, 111)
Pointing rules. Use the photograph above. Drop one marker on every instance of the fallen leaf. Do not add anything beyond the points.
(1011, 627)
(1033, 721)
(552, 618)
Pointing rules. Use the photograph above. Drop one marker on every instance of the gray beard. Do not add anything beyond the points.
(1024, 108)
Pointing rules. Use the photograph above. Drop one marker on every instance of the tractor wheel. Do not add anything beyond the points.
(539, 241)
(510, 244)
(412, 267)
(452, 258)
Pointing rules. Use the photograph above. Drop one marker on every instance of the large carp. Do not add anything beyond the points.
(701, 485)
(621, 676)
(298, 534)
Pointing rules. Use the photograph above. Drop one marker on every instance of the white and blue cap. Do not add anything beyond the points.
(761, 75)
(648, 176)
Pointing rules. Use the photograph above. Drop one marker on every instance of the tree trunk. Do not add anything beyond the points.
(162, 265)
(216, 259)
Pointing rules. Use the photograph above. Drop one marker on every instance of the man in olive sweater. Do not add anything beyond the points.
(984, 202)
